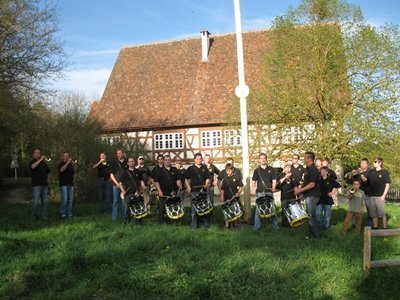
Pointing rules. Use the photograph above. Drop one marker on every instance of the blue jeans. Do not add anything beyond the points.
(257, 218)
(104, 194)
(311, 207)
(323, 213)
(67, 198)
(39, 192)
(210, 192)
(115, 206)
(368, 221)
(195, 217)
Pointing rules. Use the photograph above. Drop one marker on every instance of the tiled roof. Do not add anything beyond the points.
(165, 85)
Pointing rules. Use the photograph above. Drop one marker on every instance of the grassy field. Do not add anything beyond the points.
(90, 256)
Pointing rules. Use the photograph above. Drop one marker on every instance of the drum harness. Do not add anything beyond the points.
(170, 182)
(262, 180)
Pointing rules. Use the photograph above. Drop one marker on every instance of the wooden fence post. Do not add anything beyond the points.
(367, 249)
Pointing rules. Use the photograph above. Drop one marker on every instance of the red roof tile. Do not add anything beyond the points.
(165, 85)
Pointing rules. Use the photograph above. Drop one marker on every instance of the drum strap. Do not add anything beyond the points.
(229, 186)
(133, 181)
(262, 180)
(169, 179)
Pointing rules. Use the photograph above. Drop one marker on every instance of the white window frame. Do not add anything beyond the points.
(232, 137)
(168, 141)
(211, 139)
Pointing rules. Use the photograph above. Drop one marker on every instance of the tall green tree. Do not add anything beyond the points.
(331, 83)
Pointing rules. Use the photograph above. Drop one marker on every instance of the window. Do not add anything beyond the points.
(168, 141)
(232, 137)
(211, 139)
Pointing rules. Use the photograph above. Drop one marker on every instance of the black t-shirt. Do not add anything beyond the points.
(40, 173)
(66, 178)
(131, 183)
(332, 174)
(182, 176)
(377, 182)
(117, 168)
(326, 186)
(267, 175)
(103, 171)
(287, 188)
(230, 185)
(312, 175)
(145, 174)
(236, 173)
(167, 180)
(297, 173)
(213, 170)
(156, 169)
(197, 176)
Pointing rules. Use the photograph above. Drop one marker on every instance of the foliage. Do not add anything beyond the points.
(329, 70)
(91, 256)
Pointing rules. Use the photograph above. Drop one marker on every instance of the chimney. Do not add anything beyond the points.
(205, 44)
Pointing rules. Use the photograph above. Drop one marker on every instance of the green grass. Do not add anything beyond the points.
(91, 256)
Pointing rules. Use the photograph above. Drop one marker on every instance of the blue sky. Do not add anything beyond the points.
(94, 31)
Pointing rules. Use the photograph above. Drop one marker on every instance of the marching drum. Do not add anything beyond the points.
(202, 204)
(266, 206)
(295, 214)
(138, 208)
(174, 208)
(232, 210)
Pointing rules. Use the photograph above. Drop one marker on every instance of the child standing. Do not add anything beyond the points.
(356, 207)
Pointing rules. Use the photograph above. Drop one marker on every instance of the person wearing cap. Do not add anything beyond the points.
(379, 184)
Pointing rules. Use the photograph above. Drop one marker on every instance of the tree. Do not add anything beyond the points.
(30, 56)
(330, 71)
(30, 52)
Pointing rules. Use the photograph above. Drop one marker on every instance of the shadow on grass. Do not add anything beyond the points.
(92, 256)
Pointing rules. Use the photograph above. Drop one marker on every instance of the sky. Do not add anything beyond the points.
(94, 31)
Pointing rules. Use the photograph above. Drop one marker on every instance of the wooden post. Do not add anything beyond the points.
(367, 249)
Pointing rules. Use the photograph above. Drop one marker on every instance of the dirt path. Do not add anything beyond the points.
(16, 191)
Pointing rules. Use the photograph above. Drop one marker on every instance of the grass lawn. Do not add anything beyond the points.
(90, 256)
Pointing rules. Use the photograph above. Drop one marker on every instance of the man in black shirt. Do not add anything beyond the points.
(40, 173)
(297, 169)
(181, 177)
(329, 188)
(379, 184)
(214, 171)
(166, 181)
(287, 185)
(311, 192)
(66, 181)
(264, 183)
(158, 166)
(104, 186)
(131, 182)
(197, 179)
(236, 173)
(117, 169)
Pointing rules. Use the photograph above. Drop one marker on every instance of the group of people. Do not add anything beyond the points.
(314, 184)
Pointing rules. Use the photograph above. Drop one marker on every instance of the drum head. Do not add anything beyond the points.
(264, 199)
(135, 200)
(172, 200)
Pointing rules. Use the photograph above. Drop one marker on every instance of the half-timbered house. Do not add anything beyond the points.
(176, 97)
